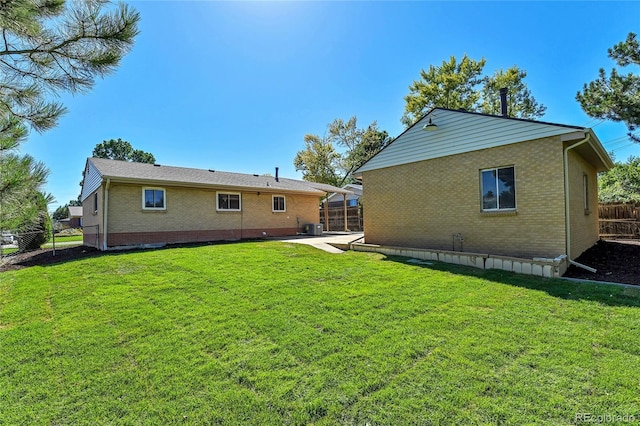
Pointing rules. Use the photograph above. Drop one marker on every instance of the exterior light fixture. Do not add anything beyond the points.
(430, 126)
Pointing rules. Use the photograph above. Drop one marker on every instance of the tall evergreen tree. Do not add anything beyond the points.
(48, 47)
(616, 96)
(51, 46)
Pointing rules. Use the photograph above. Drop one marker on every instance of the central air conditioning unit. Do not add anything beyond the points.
(313, 229)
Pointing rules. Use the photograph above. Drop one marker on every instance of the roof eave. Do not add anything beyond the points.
(602, 153)
(159, 182)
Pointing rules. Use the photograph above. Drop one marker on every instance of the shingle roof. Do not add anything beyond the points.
(154, 173)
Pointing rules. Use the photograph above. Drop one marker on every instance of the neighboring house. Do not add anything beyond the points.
(75, 216)
(128, 203)
(486, 184)
(337, 199)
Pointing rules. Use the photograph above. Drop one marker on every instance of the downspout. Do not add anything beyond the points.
(567, 212)
(104, 217)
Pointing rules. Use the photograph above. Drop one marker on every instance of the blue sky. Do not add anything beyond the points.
(236, 86)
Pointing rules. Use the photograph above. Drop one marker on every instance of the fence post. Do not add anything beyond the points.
(326, 213)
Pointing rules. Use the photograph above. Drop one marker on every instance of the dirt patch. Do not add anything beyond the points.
(46, 257)
(616, 261)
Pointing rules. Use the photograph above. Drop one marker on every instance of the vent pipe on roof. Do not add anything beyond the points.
(277, 168)
(503, 102)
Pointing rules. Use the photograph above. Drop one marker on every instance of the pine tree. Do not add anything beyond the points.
(616, 96)
(48, 47)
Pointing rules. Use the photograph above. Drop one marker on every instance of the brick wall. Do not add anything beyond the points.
(423, 204)
(584, 224)
(191, 215)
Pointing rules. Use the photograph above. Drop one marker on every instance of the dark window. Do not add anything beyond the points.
(95, 202)
(278, 203)
(498, 188)
(585, 192)
(228, 201)
(154, 199)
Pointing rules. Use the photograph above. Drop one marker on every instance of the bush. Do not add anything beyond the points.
(31, 237)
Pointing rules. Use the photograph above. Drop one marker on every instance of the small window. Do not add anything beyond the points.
(95, 202)
(352, 202)
(153, 199)
(228, 201)
(498, 188)
(279, 203)
(585, 193)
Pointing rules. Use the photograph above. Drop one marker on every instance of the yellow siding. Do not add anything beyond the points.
(193, 209)
(424, 204)
(584, 223)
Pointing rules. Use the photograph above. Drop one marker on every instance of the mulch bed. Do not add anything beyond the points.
(616, 261)
(46, 257)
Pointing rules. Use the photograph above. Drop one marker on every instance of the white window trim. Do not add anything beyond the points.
(285, 203)
(509, 209)
(228, 193)
(153, 188)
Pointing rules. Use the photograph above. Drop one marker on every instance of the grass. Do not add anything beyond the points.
(271, 333)
(67, 238)
(64, 240)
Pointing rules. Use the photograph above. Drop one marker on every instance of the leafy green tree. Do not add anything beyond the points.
(119, 150)
(461, 85)
(320, 162)
(451, 85)
(621, 183)
(62, 212)
(616, 96)
(372, 141)
(520, 102)
(122, 150)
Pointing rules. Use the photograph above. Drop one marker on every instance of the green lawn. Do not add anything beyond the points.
(272, 333)
(67, 238)
(64, 240)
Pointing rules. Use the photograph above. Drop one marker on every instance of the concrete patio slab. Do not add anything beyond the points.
(326, 241)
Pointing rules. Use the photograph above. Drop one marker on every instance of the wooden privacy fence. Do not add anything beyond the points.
(621, 220)
(336, 218)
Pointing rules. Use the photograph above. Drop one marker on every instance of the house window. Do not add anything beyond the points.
(352, 202)
(498, 188)
(95, 202)
(228, 201)
(153, 199)
(585, 193)
(279, 203)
